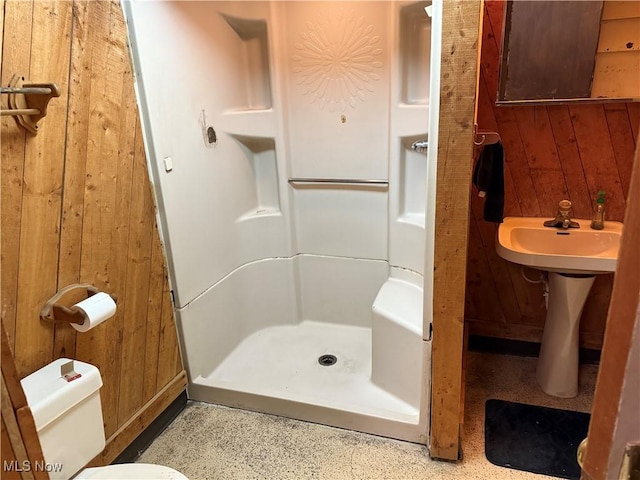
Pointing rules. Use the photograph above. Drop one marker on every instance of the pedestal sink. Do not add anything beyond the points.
(572, 257)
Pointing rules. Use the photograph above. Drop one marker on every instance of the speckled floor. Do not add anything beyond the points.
(211, 442)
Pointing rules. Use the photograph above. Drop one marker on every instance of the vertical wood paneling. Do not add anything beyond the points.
(74, 175)
(551, 153)
(621, 134)
(105, 46)
(618, 59)
(530, 300)
(516, 162)
(16, 49)
(497, 271)
(154, 310)
(42, 192)
(1, 36)
(168, 352)
(595, 310)
(126, 191)
(77, 206)
(573, 171)
(488, 120)
(137, 293)
(596, 151)
(542, 156)
(478, 274)
(634, 116)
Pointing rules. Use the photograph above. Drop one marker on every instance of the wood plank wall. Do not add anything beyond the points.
(77, 206)
(618, 57)
(551, 153)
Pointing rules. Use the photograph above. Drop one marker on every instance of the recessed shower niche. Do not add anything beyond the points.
(413, 165)
(260, 154)
(303, 233)
(415, 48)
(255, 59)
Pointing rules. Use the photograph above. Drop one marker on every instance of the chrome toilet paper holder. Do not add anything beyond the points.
(57, 313)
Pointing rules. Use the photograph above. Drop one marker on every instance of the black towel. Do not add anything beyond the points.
(488, 176)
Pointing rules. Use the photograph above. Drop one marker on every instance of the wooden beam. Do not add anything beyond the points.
(460, 33)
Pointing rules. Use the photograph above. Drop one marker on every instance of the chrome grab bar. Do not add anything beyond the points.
(340, 181)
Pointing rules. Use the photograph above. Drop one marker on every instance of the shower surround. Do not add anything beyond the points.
(294, 211)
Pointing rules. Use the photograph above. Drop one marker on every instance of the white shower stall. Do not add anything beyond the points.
(287, 147)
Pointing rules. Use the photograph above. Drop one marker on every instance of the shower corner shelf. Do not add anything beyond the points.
(411, 218)
(411, 120)
(249, 122)
(262, 212)
(28, 101)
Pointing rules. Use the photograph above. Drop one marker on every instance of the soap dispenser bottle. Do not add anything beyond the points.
(597, 223)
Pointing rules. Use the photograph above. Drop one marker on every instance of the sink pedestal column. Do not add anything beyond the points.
(557, 371)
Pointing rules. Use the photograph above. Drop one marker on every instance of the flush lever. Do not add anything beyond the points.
(68, 372)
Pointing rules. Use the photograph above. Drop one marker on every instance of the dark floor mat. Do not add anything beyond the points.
(534, 439)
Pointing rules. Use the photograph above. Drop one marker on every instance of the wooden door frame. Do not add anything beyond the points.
(460, 32)
(616, 350)
(20, 443)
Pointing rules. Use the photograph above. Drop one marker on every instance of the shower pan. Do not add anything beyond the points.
(295, 214)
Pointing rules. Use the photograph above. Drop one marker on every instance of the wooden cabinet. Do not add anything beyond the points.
(571, 50)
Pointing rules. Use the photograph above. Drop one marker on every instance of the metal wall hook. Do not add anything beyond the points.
(484, 138)
(488, 138)
(28, 101)
(480, 142)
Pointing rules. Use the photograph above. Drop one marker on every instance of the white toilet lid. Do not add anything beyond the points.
(130, 471)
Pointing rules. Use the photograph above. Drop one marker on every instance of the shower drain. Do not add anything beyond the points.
(327, 360)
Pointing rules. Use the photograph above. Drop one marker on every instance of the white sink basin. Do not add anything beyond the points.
(562, 253)
(524, 240)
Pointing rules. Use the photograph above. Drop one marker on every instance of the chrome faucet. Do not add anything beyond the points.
(563, 217)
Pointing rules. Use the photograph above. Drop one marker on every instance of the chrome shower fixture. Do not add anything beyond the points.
(420, 146)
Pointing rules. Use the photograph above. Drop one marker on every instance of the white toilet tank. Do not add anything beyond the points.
(67, 415)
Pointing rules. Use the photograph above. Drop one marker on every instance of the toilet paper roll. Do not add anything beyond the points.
(97, 308)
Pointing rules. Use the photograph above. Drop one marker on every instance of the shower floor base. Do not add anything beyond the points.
(276, 370)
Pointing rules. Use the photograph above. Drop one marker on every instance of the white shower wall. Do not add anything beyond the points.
(191, 74)
(335, 64)
(293, 90)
